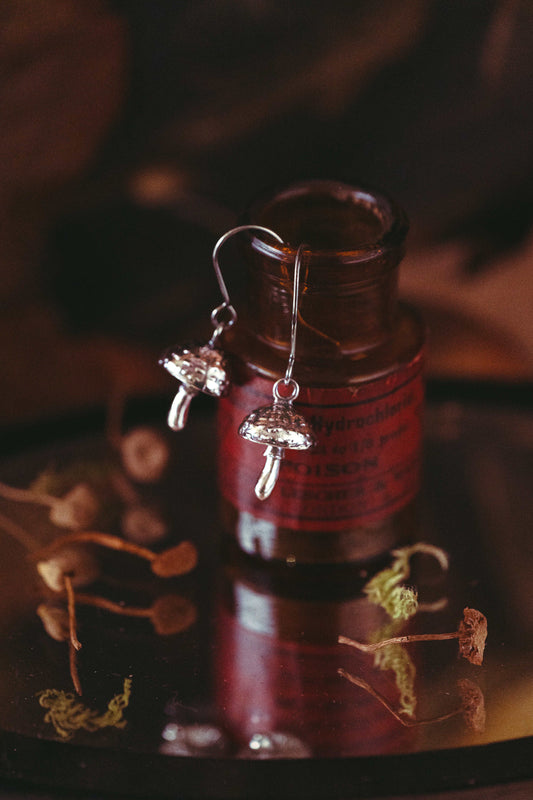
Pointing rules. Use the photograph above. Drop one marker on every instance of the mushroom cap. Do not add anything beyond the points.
(74, 560)
(473, 704)
(199, 367)
(278, 425)
(472, 635)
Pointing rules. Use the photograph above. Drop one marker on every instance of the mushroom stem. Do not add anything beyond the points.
(28, 496)
(115, 608)
(269, 476)
(169, 613)
(74, 643)
(28, 541)
(179, 410)
(472, 635)
(176, 560)
(371, 647)
(103, 539)
(357, 681)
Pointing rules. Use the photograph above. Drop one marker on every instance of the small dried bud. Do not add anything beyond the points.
(176, 560)
(77, 509)
(55, 621)
(145, 454)
(172, 614)
(143, 525)
(75, 561)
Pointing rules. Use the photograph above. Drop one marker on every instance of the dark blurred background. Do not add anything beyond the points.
(133, 133)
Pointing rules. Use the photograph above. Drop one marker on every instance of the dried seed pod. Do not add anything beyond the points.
(55, 621)
(172, 614)
(78, 509)
(143, 525)
(145, 454)
(74, 560)
(175, 561)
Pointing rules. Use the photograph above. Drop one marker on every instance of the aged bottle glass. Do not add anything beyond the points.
(276, 684)
(359, 363)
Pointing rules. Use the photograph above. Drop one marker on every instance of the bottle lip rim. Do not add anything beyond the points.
(395, 224)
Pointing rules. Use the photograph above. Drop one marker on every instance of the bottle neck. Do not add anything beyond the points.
(344, 308)
(348, 297)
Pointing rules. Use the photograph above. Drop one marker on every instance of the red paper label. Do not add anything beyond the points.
(364, 467)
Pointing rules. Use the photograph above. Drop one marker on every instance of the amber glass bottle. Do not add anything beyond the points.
(359, 363)
(277, 661)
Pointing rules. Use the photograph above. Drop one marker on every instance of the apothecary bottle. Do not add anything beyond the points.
(359, 364)
(278, 657)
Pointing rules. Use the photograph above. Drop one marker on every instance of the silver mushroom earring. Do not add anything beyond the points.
(202, 367)
(278, 425)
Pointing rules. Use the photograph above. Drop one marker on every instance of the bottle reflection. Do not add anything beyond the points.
(277, 686)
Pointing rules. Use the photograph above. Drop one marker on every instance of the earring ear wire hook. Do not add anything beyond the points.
(226, 307)
(294, 313)
(203, 367)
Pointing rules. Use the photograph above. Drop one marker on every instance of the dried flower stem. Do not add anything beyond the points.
(124, 488)
(174, 561)
(74, 642)
(371, 647)
(71, 602)
(169, 614)
(74, 670)
(22, 536)
(114, 608)
(28, 496)
(103, 539)
(472, 635)
(384, 702)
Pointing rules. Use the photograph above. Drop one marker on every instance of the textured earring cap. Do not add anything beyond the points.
(281, 428)
(199, 368)
(278, 425)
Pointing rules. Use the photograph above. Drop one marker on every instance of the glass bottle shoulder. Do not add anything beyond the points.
(252, 355)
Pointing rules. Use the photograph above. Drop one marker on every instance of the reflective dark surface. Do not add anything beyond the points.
(248, 702)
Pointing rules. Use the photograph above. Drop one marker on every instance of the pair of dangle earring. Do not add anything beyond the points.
(203, 368)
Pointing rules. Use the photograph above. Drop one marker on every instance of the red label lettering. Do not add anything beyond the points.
(365, 466)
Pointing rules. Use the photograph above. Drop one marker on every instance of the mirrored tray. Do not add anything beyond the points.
(247, 701)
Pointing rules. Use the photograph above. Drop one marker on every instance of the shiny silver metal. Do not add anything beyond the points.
(198, 368)
(274, 744)
(224, 315)
(278, 425)
(202, 367)
(281, 428)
